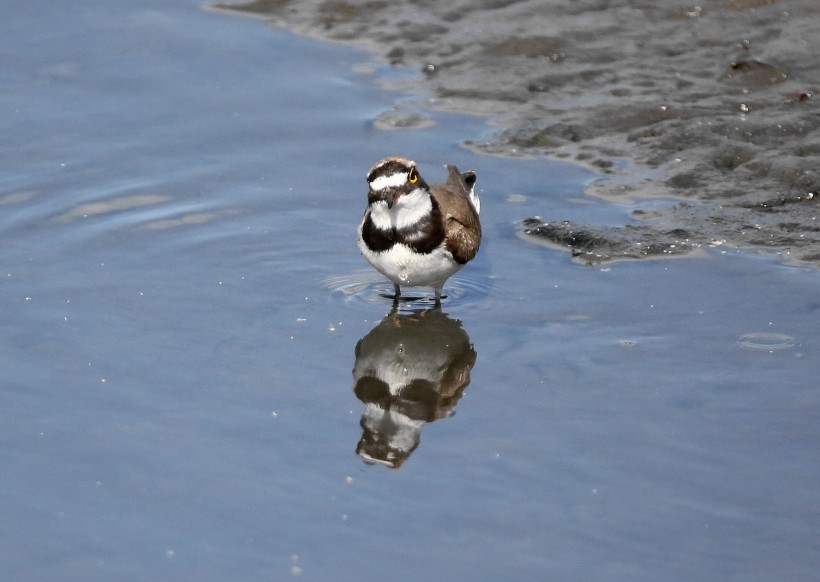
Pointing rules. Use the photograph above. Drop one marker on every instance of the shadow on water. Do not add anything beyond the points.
(410, 370)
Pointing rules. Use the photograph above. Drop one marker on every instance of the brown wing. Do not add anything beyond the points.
(463, 230)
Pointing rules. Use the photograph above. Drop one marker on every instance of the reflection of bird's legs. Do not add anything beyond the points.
(394, 315)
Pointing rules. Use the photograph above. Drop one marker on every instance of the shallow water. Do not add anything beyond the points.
(182, 301)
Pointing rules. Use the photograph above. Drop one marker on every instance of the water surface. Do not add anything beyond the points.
(182, 300)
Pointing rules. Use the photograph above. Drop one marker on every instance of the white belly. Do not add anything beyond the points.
(406, 267)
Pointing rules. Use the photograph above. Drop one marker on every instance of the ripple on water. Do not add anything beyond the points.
(371, 288)
(771, 342)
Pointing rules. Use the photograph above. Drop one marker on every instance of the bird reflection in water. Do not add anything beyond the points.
(411, 369)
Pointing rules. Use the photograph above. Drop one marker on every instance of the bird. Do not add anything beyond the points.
(418, 235)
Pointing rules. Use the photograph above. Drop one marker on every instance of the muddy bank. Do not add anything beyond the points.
(714, 107)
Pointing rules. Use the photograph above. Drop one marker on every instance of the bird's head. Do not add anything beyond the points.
(392, 178)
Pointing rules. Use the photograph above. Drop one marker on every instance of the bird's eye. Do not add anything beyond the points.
(412, 177)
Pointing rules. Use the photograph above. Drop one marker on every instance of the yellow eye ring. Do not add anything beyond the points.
(413, 177)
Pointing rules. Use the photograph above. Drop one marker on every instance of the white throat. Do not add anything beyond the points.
(407, 210)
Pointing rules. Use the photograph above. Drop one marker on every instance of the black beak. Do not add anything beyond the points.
(390, 198)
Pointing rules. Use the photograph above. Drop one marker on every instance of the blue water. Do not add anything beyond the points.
(182, 300)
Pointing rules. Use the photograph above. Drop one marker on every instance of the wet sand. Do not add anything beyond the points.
(712, 109)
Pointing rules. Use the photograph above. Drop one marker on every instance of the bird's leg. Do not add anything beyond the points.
(397, 291)
(438, 298)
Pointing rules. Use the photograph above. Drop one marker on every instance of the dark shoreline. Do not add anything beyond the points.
(717, 104)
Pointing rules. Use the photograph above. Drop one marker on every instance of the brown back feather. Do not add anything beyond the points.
(462, 227)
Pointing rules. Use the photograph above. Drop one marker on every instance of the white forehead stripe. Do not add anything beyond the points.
(391, 181)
